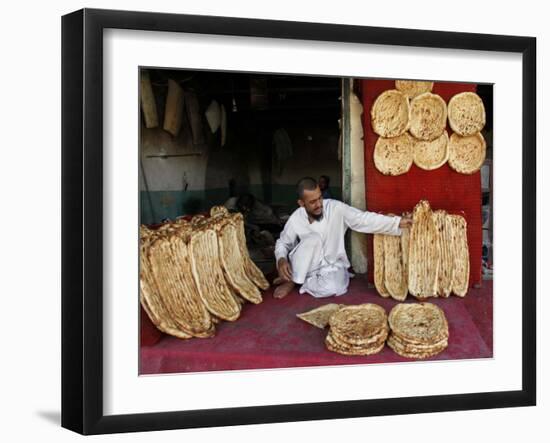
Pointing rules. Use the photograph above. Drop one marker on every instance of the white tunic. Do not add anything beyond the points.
(316, 250)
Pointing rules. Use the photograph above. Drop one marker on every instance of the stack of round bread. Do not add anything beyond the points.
(418, 330)
(357, 330)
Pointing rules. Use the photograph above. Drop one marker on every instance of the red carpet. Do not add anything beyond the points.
(270, 336)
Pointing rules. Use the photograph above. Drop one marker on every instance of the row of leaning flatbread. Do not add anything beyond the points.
(411, 123)
(429, 260)
(195, 273)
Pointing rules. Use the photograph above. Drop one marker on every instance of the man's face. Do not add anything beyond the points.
(312, 202)
(322, 183)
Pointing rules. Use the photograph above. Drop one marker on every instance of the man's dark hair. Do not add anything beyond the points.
(305, 184)
(327, 178)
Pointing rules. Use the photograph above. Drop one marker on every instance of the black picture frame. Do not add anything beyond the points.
(82, 216)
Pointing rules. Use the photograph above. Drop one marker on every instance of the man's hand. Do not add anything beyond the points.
(406, 221)
(284, 270)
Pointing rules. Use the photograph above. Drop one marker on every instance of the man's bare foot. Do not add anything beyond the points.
(283, 289)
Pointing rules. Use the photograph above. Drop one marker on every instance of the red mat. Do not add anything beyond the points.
(443, 187)
(269, 335)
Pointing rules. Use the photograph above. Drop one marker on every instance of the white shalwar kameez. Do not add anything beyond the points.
(316, 250)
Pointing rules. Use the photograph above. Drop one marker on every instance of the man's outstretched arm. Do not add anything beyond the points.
(373, 223)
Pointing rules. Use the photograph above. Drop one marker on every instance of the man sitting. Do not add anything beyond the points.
(311, 251)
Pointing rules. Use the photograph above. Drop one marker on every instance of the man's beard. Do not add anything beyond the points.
(316, 217)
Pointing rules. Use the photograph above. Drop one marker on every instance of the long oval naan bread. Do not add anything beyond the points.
(208, 275)
(252, 271)
(393, 156)
(390, 114)
(428, 116)
(461, 254)
(378, 254)
(405, 239)
(466, 113)
(467, 154)
(412, 88)
(171, 267)
(233, 263)
(432, 154)
(395, 278)
(446, 260)
(151, 299)
(423, 253)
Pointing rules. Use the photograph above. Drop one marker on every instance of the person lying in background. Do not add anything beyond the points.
(310, 250)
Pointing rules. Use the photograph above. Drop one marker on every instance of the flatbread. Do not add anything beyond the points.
(378, 254)
(333, 346)
(207, 272)
(152, 302)
(218, 210)
(395, 278)
(407, 352)
(371, 341)
(233, 263)
(466, 113)
(428, 116)
(359, 324)
(171, 268)
(405, 239)
(423, 253)
(394, 156)
(390, 114)
(412, 88)
(430, 155)
(252, 271)
(467, 154)
(318, 317)
(461, 274)
(419, 323)
(446, 257)
(198, 219)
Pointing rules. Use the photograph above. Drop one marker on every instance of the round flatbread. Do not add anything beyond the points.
(420, 323)
(334, 346)
(412, 88)
(467, 154)
(393, 156)
(358, 324)
(428, 116)
(429, 155)
(407, 352)
(390, 114)
(466, 113)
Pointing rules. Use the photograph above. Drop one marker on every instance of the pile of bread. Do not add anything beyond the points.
(412, 330)
(411, 123)
(195, 273)
(429, 260)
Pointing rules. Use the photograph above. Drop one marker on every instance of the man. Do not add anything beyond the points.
(310, 251)
(324, 182)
